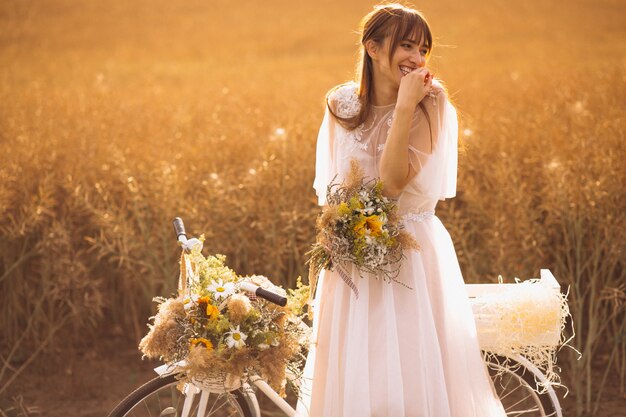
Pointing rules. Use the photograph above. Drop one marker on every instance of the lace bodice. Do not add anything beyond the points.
(434, 160)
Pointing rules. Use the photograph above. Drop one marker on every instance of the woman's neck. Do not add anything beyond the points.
(383, 93)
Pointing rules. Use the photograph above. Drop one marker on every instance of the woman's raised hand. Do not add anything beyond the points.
(413, 87)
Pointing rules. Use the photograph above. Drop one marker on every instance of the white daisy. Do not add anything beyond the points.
(269, 341)
(190, 302)
(236, 338)
(221, 289)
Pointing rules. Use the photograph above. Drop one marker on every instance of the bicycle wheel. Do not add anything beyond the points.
(160, 397)
(515, 386)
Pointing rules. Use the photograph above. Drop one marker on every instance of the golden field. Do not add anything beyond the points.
(117, 116)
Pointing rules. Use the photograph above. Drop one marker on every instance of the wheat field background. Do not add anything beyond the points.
(117, 116)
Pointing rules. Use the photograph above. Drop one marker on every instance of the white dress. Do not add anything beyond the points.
(395, 351)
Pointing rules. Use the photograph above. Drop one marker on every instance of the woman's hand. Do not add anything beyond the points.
(413, 88)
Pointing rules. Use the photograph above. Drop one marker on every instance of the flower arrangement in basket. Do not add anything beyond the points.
(360, 226)
(217, 333)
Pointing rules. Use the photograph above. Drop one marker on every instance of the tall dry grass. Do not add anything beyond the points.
(143, 111)
(558, 168)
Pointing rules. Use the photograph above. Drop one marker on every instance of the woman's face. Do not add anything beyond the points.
(409, 55)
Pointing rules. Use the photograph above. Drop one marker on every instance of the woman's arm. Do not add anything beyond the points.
(395, 168)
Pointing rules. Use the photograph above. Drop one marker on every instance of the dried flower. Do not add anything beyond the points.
(238, 307)
(161, 340)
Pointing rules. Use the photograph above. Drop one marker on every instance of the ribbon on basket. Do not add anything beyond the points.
(187, 275)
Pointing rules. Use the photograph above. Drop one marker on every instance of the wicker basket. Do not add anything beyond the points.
(219, 382)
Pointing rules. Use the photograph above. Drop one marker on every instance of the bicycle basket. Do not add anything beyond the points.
(218, 333)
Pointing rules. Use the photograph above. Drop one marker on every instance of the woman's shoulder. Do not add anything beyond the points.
(437, 95)
(437, 88)
(344, 99)
(345, 91)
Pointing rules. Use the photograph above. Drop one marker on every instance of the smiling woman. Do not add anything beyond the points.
(389, 31)
(383, 349)
(116, 114)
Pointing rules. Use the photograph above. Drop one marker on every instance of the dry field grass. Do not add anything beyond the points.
(115, 116)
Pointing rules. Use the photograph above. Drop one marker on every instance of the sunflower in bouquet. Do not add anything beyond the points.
(214, 331)
(360, 226)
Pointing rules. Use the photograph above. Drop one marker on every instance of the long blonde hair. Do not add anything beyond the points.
(397, 22)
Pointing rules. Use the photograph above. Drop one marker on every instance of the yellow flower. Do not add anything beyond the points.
(356, 204)
(201, 341)
(370, 225)
(204, 300)
(343, 209)
(212, 312)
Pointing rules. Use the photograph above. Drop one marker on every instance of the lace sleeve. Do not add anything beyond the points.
(324, 159)
(332, 135)
(436, 162)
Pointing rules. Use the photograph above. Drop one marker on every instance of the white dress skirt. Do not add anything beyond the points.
(397, 350)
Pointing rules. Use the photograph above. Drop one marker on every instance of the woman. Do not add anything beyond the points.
(396, 350)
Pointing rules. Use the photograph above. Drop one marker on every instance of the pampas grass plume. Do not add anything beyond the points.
(238, 308)
(166, 330)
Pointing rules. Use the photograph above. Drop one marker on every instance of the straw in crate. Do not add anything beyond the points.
(524, 318)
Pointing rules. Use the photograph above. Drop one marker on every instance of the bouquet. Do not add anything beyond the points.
(360, 226)
(217, 334)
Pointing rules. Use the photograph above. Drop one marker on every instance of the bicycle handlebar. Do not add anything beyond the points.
(181, 235)
(179, 227)
(263, 293)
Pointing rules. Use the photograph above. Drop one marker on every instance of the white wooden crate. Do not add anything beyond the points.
(489, 325)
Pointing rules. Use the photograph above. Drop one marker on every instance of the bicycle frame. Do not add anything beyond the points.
(539, 376)
(191, 390)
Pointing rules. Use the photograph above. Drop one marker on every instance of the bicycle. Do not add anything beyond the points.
(515, 378)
